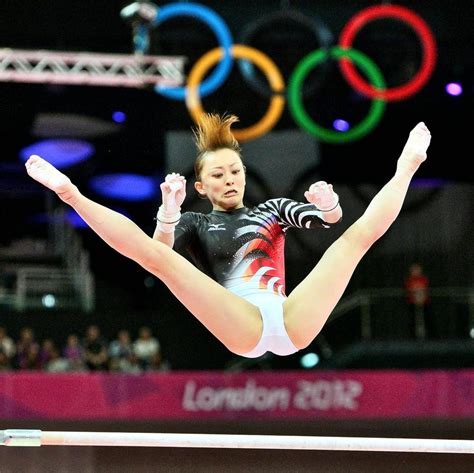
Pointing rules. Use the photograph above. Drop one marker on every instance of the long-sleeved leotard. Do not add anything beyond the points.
(243, 249)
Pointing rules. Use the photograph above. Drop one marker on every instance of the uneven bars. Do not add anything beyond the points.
(37, 438)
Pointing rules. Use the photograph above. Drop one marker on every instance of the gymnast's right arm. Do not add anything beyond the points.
(173, 191)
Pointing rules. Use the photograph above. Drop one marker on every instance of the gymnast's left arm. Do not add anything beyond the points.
(322, 196)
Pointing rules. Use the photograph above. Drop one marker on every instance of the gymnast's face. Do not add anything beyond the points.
(222, 179)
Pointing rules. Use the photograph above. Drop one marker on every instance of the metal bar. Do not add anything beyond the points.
(127, 439)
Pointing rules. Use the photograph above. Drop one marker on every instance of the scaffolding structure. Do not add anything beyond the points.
(93, 69)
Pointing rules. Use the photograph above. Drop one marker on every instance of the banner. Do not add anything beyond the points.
(216, 395)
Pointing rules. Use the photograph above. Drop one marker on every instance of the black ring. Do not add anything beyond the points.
(321, 32)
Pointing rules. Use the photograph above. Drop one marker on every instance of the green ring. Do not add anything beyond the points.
(295, 96)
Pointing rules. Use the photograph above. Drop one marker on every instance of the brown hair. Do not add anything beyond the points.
(213, 133)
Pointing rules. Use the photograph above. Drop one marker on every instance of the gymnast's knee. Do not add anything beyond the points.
(360, 236)
(301, 340)
(155, 257)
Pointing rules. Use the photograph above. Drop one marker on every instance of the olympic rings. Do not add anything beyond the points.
(295, 95)
(224, 37)
(268, 67)
(421, 29)
(344, 52)
(313, 24)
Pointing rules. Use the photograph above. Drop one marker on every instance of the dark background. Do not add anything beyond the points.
(96, 26)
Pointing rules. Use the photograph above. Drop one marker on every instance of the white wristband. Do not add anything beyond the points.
(335, 205)
(166, 222)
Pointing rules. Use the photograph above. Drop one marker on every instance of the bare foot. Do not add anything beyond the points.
(414, 152)
(46, 174)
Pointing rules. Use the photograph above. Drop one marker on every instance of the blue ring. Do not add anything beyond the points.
(224, 37)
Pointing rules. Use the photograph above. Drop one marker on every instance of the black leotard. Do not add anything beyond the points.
(243, 249)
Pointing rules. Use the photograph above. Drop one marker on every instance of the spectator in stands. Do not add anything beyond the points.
(130, 364)
(56, 363)
(7, 345)
(95, 349)
(44, 355)
(27, 350)
(5, 362)
(147, 348)
(120, 351)
(74, 353)
(417, 294)
(158, 363)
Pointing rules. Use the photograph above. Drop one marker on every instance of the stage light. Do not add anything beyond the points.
(341, 125)
(75, 220)
(143, 11)
(428, 182)
(309, 360)
(60, 152)
(119, 117)
(454, 88)
(48, 300)
(140, 15)
(127, 187)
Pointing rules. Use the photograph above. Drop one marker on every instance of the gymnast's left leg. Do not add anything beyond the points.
(234, 321)
(309, 305)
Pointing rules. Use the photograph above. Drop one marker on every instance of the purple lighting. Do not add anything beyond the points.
(428, 183)
(128, 187)
(60, 152)
(75, 220)
(454, 88)
(119, 117)
(340, 125)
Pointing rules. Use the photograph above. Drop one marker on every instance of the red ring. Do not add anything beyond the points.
(428, 44)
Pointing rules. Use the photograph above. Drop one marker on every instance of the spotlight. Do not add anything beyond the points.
(125, 186)
(48, 300)
(60, 152)
(309, 360)
(143, 12)
(119, 117)
(454, 88)
(140, 15)
(340, 125)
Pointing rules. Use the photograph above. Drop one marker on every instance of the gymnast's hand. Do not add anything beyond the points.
(322, 195)
(173, 191)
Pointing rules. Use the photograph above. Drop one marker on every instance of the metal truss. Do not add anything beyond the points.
(94, 69)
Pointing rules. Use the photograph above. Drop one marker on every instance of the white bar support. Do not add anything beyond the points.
(27, 438)
(20, 438)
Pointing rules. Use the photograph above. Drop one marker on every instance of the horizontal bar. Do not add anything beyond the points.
(279, 442)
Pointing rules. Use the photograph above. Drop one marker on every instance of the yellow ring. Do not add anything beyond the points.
(262, 61)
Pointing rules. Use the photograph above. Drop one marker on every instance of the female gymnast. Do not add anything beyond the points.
(236, 286)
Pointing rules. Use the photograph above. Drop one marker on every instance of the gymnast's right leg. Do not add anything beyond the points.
(234, 321)
(328, 280)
